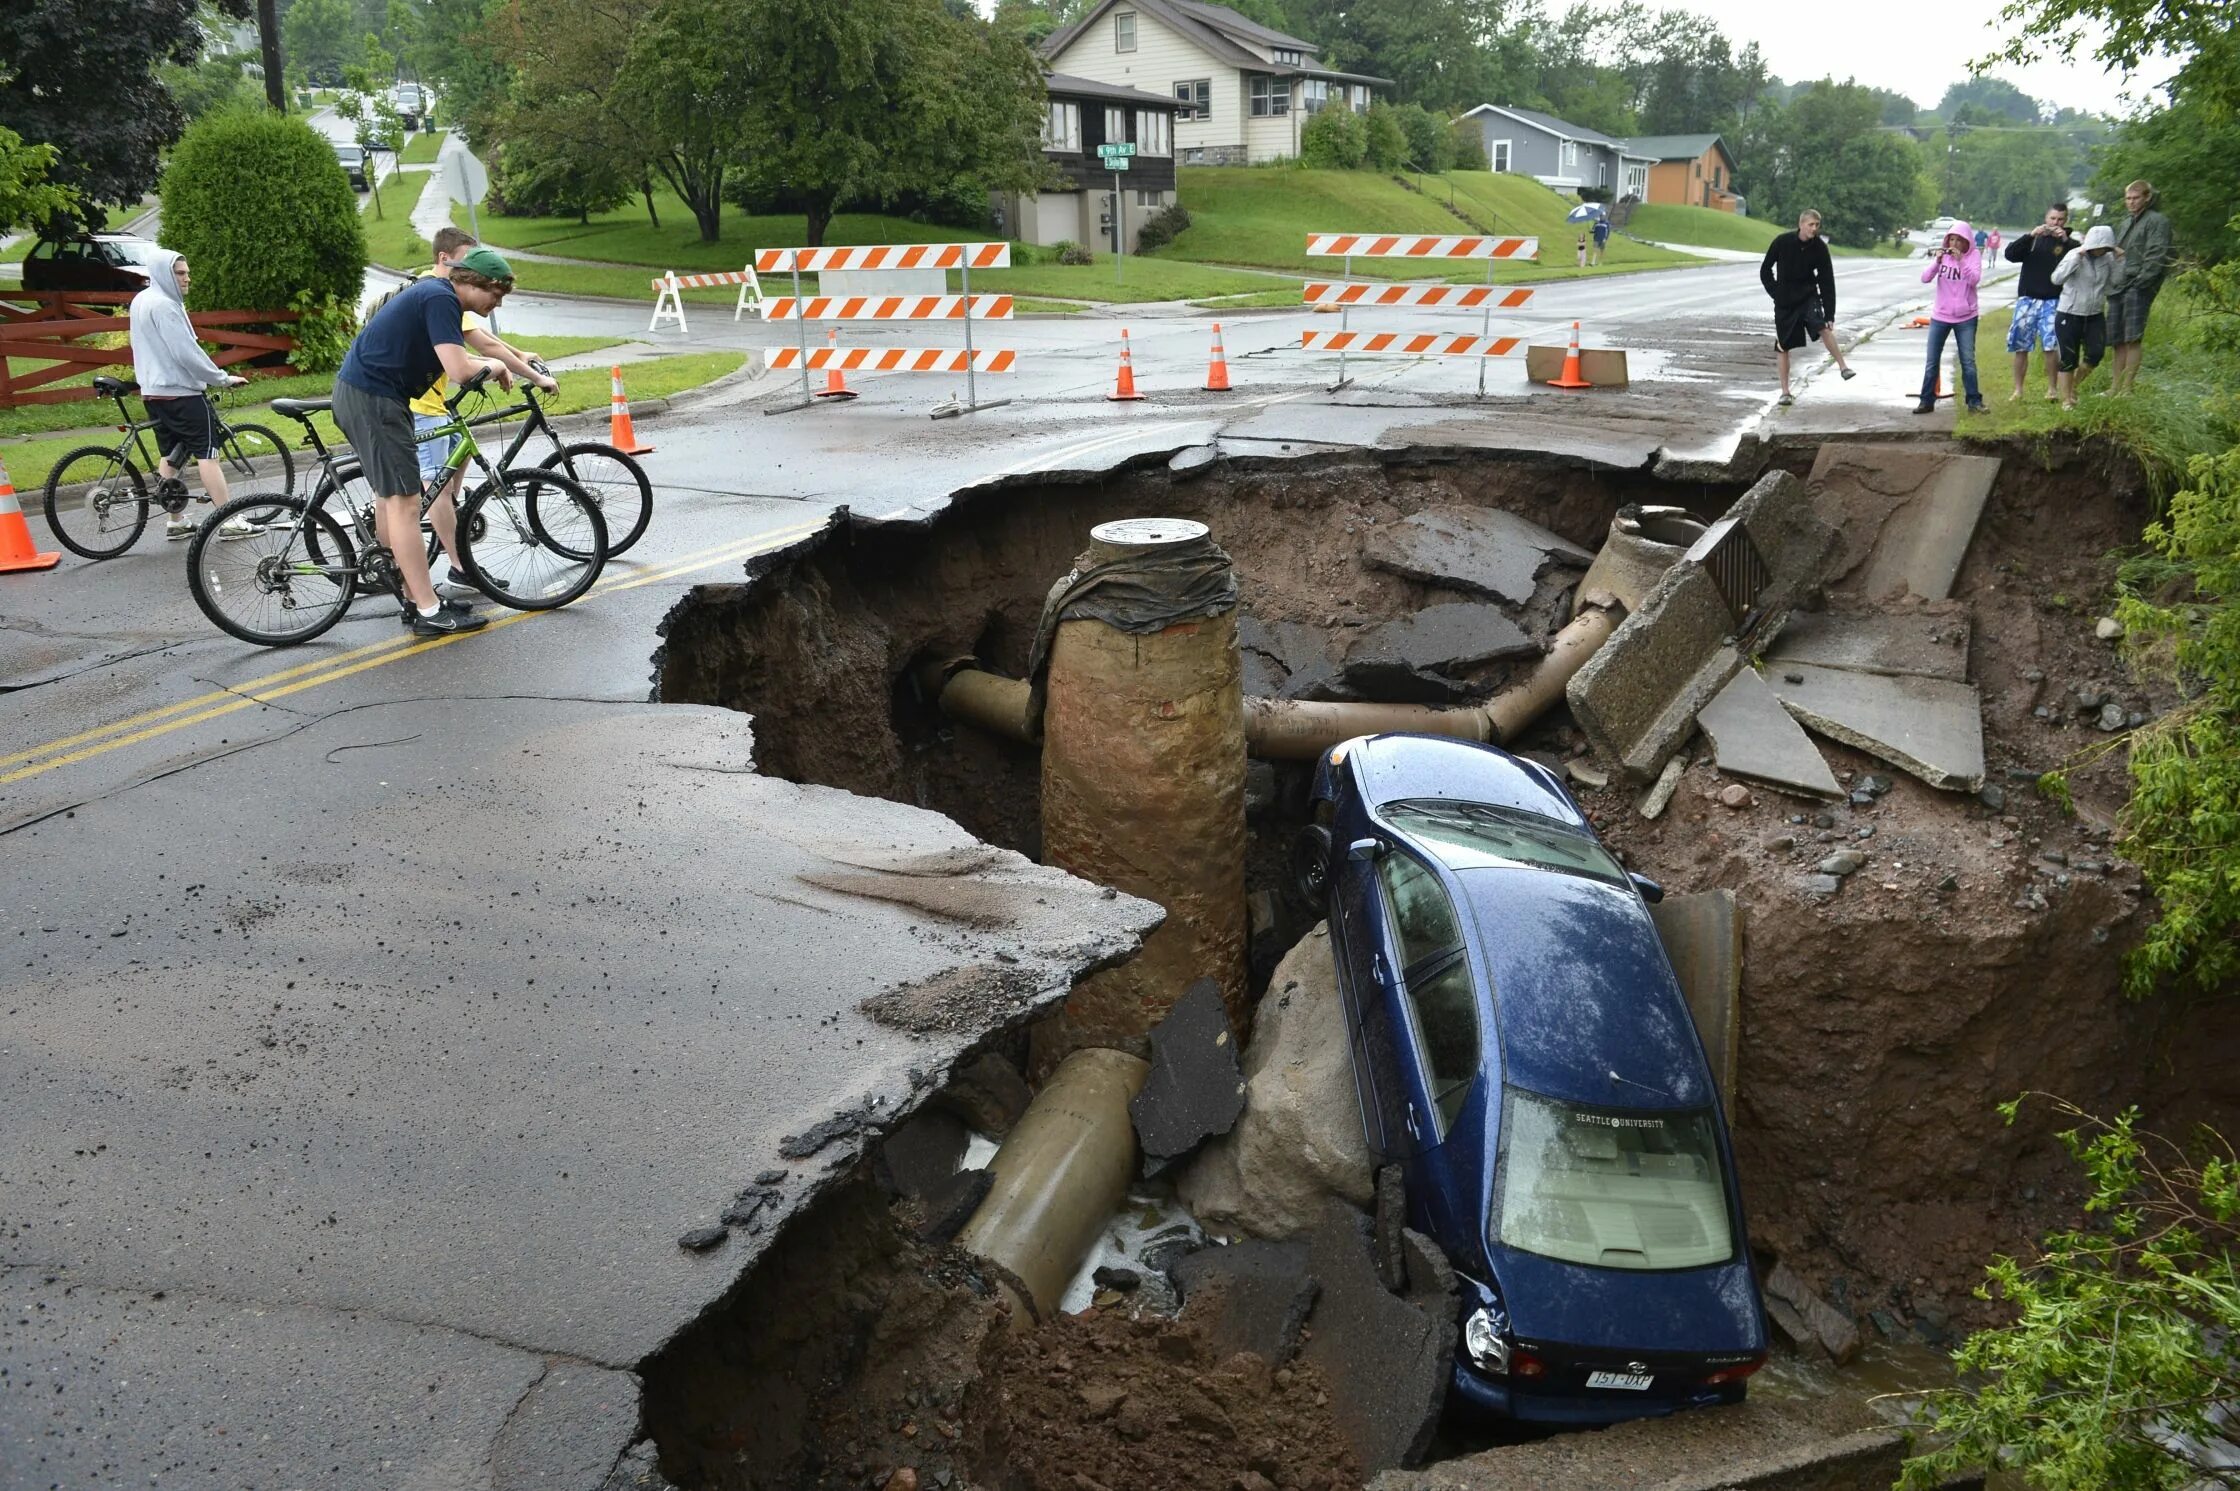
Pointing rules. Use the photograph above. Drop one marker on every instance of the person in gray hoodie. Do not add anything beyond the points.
(173, 372)
(2080, 321)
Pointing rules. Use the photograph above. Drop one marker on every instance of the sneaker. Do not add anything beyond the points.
(1787, 399)
(444, 604)
(1979, 407)
(238, 527)
(1849, 374)
(178, 528)
(447, 623)
(456, 588)
(1925, 408)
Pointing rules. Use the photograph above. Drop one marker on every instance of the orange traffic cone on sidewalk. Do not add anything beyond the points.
(16, 549)
(1571, 378)
(620, 434)
(1217, 376)
(835, 386)
(1126, 388)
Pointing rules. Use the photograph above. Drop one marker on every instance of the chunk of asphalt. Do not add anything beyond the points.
(1480, 550)
(921, 1153)
(988, 1093)
(1250, 1296)
(702, 1239)
(1387, 1360)
(1286, 659)
(1752, 736)
(1194, 1091)
(1406, 659)
(1432, 1286)
(952, 1203)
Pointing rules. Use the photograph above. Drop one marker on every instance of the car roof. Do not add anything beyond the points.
(1390, 768)
(1582, 990)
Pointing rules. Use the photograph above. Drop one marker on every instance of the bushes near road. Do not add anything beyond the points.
(259, 204)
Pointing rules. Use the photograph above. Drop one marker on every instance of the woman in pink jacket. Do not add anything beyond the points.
(1956, 268)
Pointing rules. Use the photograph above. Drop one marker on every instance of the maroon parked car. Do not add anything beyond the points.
(88, 261)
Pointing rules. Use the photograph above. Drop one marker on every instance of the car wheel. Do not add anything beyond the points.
(1310, 867)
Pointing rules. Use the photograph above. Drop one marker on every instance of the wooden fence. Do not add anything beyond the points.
(43, 335)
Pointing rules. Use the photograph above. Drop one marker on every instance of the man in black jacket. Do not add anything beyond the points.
(1801, 278)
(2035, 297)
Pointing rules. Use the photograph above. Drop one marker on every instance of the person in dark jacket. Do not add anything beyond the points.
(2142, 260)
(1801, 278)
(2036, 297)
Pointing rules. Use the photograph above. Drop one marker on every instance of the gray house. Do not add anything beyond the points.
(1566, 156)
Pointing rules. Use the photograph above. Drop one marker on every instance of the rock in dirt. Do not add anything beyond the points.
(1843, 862)
(1481, 550)
(922, 1153)
(1299, 1139)
(1735, 795)
(1387, 1359)
(988, 1093)
(1251, 1296)
(2107, 629)
(1194, 1092)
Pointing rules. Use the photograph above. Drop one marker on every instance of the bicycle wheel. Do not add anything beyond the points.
(247, 448)
(266, 587)
(616, 482)
(101, 521)
(532, 539)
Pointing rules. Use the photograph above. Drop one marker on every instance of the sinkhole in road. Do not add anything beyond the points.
(1978, 958)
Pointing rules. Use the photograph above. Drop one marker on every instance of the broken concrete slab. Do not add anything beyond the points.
(1250, 1296)
(1479, 550)
(1387, 1360)
(1928, 727)
(1752, 736)
(1194, 1092)
(1438, 639)
(1658, 797)
(1299, 1140)
(1930, 640)
(1703, 936)
(345, 1126)
(1832, 1330)
(1906, 514)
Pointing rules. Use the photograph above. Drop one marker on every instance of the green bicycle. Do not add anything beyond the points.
(532, 539)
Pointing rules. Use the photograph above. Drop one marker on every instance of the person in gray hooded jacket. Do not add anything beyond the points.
(173, 372)
(2080, 321)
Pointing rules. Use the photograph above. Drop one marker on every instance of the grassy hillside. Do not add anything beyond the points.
(1704, 227)
(1518, 204)
(624, 236)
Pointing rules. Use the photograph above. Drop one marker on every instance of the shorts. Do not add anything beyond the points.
(186, 427)
(2127, 314)
(433, 452)
(2088, 334)
(1798, 325)
(380, 432)
(2032, 327)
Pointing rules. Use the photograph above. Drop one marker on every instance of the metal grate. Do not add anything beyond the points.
(1736, 567)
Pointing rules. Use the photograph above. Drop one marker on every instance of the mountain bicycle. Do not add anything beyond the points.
(103, 520)
(528, 538)
(616, 482)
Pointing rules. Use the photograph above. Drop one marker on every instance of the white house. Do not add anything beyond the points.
(1245, 90)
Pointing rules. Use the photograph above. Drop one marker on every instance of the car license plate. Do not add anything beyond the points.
(1632, 1381)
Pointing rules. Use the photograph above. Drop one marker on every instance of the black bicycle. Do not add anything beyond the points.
(616, 482)
(530, 538)
(98, 497)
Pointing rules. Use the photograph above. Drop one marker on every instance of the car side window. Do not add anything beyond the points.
(1441, 997)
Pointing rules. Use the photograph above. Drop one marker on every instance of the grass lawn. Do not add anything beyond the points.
(1257, 300)
(625, 237)
(1142, 278)
(1702, 227)
(1024, 307)
(390, 238)
(421, 149)
(14, 252)
(1507, 203)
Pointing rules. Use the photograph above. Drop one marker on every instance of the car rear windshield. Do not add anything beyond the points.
(128, 251)
(1504, 833)
(1612, 1189)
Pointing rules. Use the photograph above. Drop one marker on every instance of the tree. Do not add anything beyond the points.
(1824, 150)
(2184, 149)
(1333, 139)
(458, 49)
(1897, 109)
(1384, 143)
(2122, 34)
(27, 197)
(2004, 175)
(320, 36)
(256, 200)
(2112, 1374)
(211, 84)
(1991, 100)
(1426, 134)
(80, 75)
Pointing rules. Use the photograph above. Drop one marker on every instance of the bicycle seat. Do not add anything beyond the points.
(301, 409)
(114, 388)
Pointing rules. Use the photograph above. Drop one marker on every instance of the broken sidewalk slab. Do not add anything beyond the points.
(1194, 1092)
(1928, 641)
(1702, 935)
(1387, 1359)
(1826, 1327)
(1637, 697)
(1251, 1296)
(1479, 550)
(1927, 727)
(1906, 514)
(1410, 660)
(452, 1188)
(1752, 736)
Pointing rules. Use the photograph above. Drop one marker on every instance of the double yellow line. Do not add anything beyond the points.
(279, 685)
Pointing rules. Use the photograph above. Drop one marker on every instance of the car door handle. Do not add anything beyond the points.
(1412, 1130)
(1376, 969)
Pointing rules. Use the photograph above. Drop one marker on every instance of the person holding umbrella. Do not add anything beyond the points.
(1801, 278)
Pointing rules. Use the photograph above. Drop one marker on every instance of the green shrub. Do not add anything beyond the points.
(1165, 225)
(260, 206)
(1466, 146)
(1426, 134)
(1386, 144)
(1334, 140)
(323, 329)
(1070, 252)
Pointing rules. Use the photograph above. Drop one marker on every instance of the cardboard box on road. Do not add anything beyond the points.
(1604, 367)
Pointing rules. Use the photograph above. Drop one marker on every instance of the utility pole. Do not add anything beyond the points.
(268, 41)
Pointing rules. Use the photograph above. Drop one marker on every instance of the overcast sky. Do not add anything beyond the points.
(1916, 47)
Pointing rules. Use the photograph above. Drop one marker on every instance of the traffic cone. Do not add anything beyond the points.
(1571, 378)
(620, 435)
(835, 386)
(16, 549)
(1126, 389)
(1217, 376)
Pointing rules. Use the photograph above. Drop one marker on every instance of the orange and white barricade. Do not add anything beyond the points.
(1345, 293)
(963, 309)
(668, 298)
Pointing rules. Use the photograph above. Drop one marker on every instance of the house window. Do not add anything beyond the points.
(1637, 181)
(1271, 97)
(1150, 199)
(1567, 158)
(1499, 155)
(1197, 99)
(1313, 94)
(1360, 98)
(1061, 131)
(1154, 132)
(1719, 177)
(1283, 55)
(1115, 126)
(1124, 31)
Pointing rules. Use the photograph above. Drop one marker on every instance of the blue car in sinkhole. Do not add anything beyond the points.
(1523, 1052)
